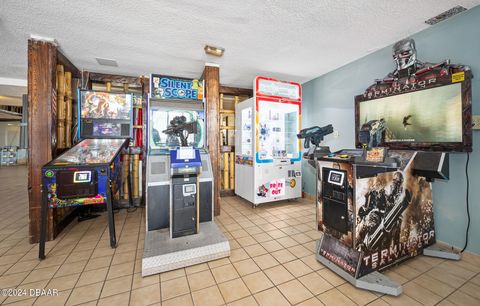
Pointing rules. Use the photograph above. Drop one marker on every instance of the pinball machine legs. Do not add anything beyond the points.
(43, 224)
(111, 219)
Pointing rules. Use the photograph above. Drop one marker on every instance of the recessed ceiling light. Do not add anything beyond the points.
(445, 15)
(215, 51)
(106, 62)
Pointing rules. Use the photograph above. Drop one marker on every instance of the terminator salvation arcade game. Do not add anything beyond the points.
(374, 203)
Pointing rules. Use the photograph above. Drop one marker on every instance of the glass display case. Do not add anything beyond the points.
(278, 125)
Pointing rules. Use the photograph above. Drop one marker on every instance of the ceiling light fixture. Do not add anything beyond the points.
(215, 51)
(106, 62)
(445, 15)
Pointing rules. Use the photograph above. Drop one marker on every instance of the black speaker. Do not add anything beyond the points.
(125, 130)
(432, 165)
(87, 128)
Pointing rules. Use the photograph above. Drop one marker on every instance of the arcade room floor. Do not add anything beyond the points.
(271, 263)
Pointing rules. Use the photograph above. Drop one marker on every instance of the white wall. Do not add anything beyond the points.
(9, 133)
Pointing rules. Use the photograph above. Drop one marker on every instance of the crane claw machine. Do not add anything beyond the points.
(267, 151)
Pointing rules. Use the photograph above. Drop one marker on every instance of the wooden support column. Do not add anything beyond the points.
(42, 65)
(211, 75)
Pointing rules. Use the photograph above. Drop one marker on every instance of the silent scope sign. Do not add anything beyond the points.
(164, 87)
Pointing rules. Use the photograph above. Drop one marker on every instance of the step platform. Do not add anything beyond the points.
(161, 253)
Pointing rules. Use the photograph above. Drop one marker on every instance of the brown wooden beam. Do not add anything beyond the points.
(42, 63)
(236, 91)
(212, 86)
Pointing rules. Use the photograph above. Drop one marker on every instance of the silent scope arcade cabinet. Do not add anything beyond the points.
(267, 151)
(179, 179)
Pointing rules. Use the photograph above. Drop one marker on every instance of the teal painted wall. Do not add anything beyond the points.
(330, 99)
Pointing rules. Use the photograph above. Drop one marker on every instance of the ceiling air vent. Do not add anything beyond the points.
(107, 62)
(445, 15)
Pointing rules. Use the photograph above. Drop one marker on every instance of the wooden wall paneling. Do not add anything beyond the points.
(234, 91)
(211, 75)
(42, 61)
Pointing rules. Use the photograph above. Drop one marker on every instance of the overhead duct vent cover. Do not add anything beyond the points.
(107, 62)
(445, 15)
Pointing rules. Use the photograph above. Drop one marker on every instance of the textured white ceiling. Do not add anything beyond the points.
(292, 40)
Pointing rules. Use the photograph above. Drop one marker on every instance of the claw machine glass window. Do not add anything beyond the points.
(277, 131)
(247, 133)
(173, 127)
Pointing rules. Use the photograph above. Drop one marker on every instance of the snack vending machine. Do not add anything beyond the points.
(267, 151)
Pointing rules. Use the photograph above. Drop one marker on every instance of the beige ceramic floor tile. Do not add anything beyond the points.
(265, 261)
(139, 281)
(278, 274)
(99, 262)
(334, 297)
(200, 280)
(238, 255)
(93, 276)
(359, 296)
(294, 291)
(85, 294)
(315, 283)
(402, 300)
(210, 296)
(297, 268)
(246, 266)
(224, 273)
(257, 282)
(172, 274)
(196, 268)
(271, 297)
(174, 287)
(311, 302)
(54, 300)
(117, 285)
(233, 290)
(283, 256)
(122, 299)
(248, 301)
(120, 270)
(145, 295)
(184, 300)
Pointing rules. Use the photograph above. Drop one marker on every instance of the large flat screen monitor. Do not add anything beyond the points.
(436, 118)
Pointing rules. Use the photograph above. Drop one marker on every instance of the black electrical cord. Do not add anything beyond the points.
(467, 201)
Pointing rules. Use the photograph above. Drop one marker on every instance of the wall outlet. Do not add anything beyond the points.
(476, 122)
(336, 134)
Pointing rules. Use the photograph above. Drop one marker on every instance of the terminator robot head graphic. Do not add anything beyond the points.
(404, 53)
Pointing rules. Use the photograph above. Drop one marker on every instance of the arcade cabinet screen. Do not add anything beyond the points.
(425, 116)
(105, 115)
(176, 128)
(105, 105)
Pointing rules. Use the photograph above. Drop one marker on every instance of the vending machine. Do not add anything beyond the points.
(267, 151)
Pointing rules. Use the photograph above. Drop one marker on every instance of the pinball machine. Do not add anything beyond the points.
(90, 173)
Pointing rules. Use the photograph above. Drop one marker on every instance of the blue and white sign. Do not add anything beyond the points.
(166, 87)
